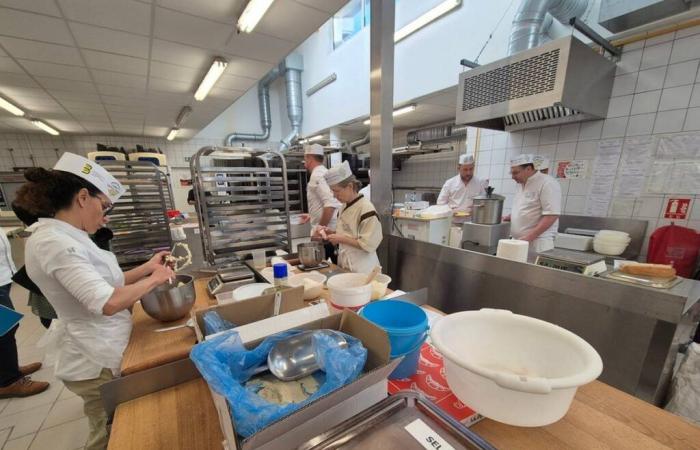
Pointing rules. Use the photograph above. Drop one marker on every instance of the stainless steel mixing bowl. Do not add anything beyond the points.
(170, 302)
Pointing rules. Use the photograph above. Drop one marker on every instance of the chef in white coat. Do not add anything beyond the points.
(84, 284)
(358, 232)
(536, 206)
(459, 191)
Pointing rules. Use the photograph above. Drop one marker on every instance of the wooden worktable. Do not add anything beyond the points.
(148, 349)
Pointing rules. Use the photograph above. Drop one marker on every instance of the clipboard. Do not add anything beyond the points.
(8, 319)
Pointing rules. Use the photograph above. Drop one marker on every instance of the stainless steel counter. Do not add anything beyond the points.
(636, 330)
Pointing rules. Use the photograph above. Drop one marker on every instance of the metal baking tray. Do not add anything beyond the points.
(384, 426)
(658, 283)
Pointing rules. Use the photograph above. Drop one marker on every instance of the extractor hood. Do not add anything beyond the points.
(562, 81)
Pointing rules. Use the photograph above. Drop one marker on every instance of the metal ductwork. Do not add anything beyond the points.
(291, 68)
(354, 145)
(534, 17)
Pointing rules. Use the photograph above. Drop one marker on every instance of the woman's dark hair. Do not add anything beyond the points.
(22, 214)
(49, 191)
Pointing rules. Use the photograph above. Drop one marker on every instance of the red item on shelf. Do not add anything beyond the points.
(172, 213)
(675, 245)
(430, 381)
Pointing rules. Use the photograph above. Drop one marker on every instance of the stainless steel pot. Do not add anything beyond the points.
(312, 253)
(170, 301)
(488, 209)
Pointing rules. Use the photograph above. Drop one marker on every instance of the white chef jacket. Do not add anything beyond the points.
(320, 196)
(78, 278)
(366, 192)
(459, 196)
(7, 265)
(540, 196)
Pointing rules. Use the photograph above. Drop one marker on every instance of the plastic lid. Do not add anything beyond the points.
(279, 270)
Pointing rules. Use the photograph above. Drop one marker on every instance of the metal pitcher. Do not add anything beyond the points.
(487, 209)
(311, 254)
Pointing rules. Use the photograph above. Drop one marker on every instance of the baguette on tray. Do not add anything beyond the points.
(649, 270)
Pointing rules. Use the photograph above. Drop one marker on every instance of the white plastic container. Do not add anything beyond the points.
(312, 288)
(604, 248)
(349, 290)
(511, 368)
(380, 285)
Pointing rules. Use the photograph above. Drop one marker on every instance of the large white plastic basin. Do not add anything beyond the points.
(349, 290)
(511, 368)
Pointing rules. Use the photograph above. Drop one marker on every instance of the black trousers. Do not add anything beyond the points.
(9, 362)
(331, 252)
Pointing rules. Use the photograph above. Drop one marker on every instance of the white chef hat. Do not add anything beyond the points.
(313, 149)
(466, 159)
(541, 163)
(338, 174)
(92, 172)
(522, 160)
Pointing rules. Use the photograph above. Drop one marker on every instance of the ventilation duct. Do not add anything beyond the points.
(534, 17)
(291, 69)
(435, 133)
(354, 145)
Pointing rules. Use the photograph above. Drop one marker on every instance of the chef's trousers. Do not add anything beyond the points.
(89, 391)
(9, 362)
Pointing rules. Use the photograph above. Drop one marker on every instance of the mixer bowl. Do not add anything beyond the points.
(170, 302)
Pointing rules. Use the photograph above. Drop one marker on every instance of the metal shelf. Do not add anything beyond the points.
(139, 219)
(243, 199)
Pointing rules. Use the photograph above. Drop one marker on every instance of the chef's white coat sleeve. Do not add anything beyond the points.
(71, 267)
(551, 199)
(326, 195)
(369, 234)
(444, 197)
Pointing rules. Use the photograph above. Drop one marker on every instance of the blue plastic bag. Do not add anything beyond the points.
(214, 323)
(226, 365)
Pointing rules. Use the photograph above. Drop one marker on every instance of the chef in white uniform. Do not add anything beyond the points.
(84, 284)
(359, 232)
(459, 191)
(322, 205)
(536, 207)
(367, 190)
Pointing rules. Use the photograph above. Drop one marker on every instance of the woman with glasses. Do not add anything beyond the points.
(84, 284)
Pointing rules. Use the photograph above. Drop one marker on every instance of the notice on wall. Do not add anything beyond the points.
(634, 166)
(683, 146)
(603, 178)
(572, 169)
(677, 208)
(622, 207)
(676, 169)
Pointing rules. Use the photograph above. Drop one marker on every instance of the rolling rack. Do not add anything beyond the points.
(243, 199)
(139, 219)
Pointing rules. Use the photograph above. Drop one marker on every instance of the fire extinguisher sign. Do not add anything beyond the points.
(677, 208)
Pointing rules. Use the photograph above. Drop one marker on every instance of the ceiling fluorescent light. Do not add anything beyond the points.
(215, 71)
(435, 13)
(315, 138)
(182, 117)
(253, 12)
(172, 134)
(43, 126)
(4, 104)
(398, 112)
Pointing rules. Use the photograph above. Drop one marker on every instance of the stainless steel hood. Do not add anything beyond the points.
(562, 81)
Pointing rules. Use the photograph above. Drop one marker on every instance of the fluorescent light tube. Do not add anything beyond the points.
(215, 71)
(398, 112)
(253, 12)
(435, 13)
(184, 114)
(172, 134)
(4, 104)
(315, 138)
(43, 126)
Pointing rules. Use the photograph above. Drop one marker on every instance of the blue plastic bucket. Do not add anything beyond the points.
(409, 366)
(405, 323)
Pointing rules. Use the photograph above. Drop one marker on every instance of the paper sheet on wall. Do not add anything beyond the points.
(603, 179)
(676, 169)
(684, 146)
(634, 166)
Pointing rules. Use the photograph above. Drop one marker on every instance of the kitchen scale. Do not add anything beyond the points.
(572, 261)
(322, 265)
(229, 278)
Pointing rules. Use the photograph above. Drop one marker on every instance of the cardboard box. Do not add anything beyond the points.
(330, 410)
(250, 310)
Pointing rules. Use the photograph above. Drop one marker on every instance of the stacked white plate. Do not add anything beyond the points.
(611, 242)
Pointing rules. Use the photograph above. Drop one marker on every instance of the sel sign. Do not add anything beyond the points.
(427, 437)
(677, 208)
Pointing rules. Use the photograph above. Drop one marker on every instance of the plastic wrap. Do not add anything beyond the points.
(214, 323)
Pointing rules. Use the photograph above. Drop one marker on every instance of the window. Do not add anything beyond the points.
(350, 20)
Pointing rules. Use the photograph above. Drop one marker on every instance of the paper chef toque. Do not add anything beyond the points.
(521, 160)
(313, 149)
(338, 174)
(541, 163)
(466, 159)
(92, 172)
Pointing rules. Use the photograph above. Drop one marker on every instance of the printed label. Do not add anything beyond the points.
(426, 436)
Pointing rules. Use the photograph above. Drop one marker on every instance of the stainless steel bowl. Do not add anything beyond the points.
(311, 254)
(170, 302)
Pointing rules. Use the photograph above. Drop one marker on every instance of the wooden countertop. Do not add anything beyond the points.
(148, 348)
(181, 417)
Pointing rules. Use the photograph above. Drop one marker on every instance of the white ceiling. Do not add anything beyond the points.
(129, 66)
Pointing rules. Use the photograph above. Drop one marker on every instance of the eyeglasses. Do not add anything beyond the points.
(106, 208)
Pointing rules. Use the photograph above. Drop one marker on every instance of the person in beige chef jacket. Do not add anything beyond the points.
(84, 284)
(459, 191)
(358, 232)
(536, 206)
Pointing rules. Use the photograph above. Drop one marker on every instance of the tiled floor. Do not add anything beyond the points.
(52, 420)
